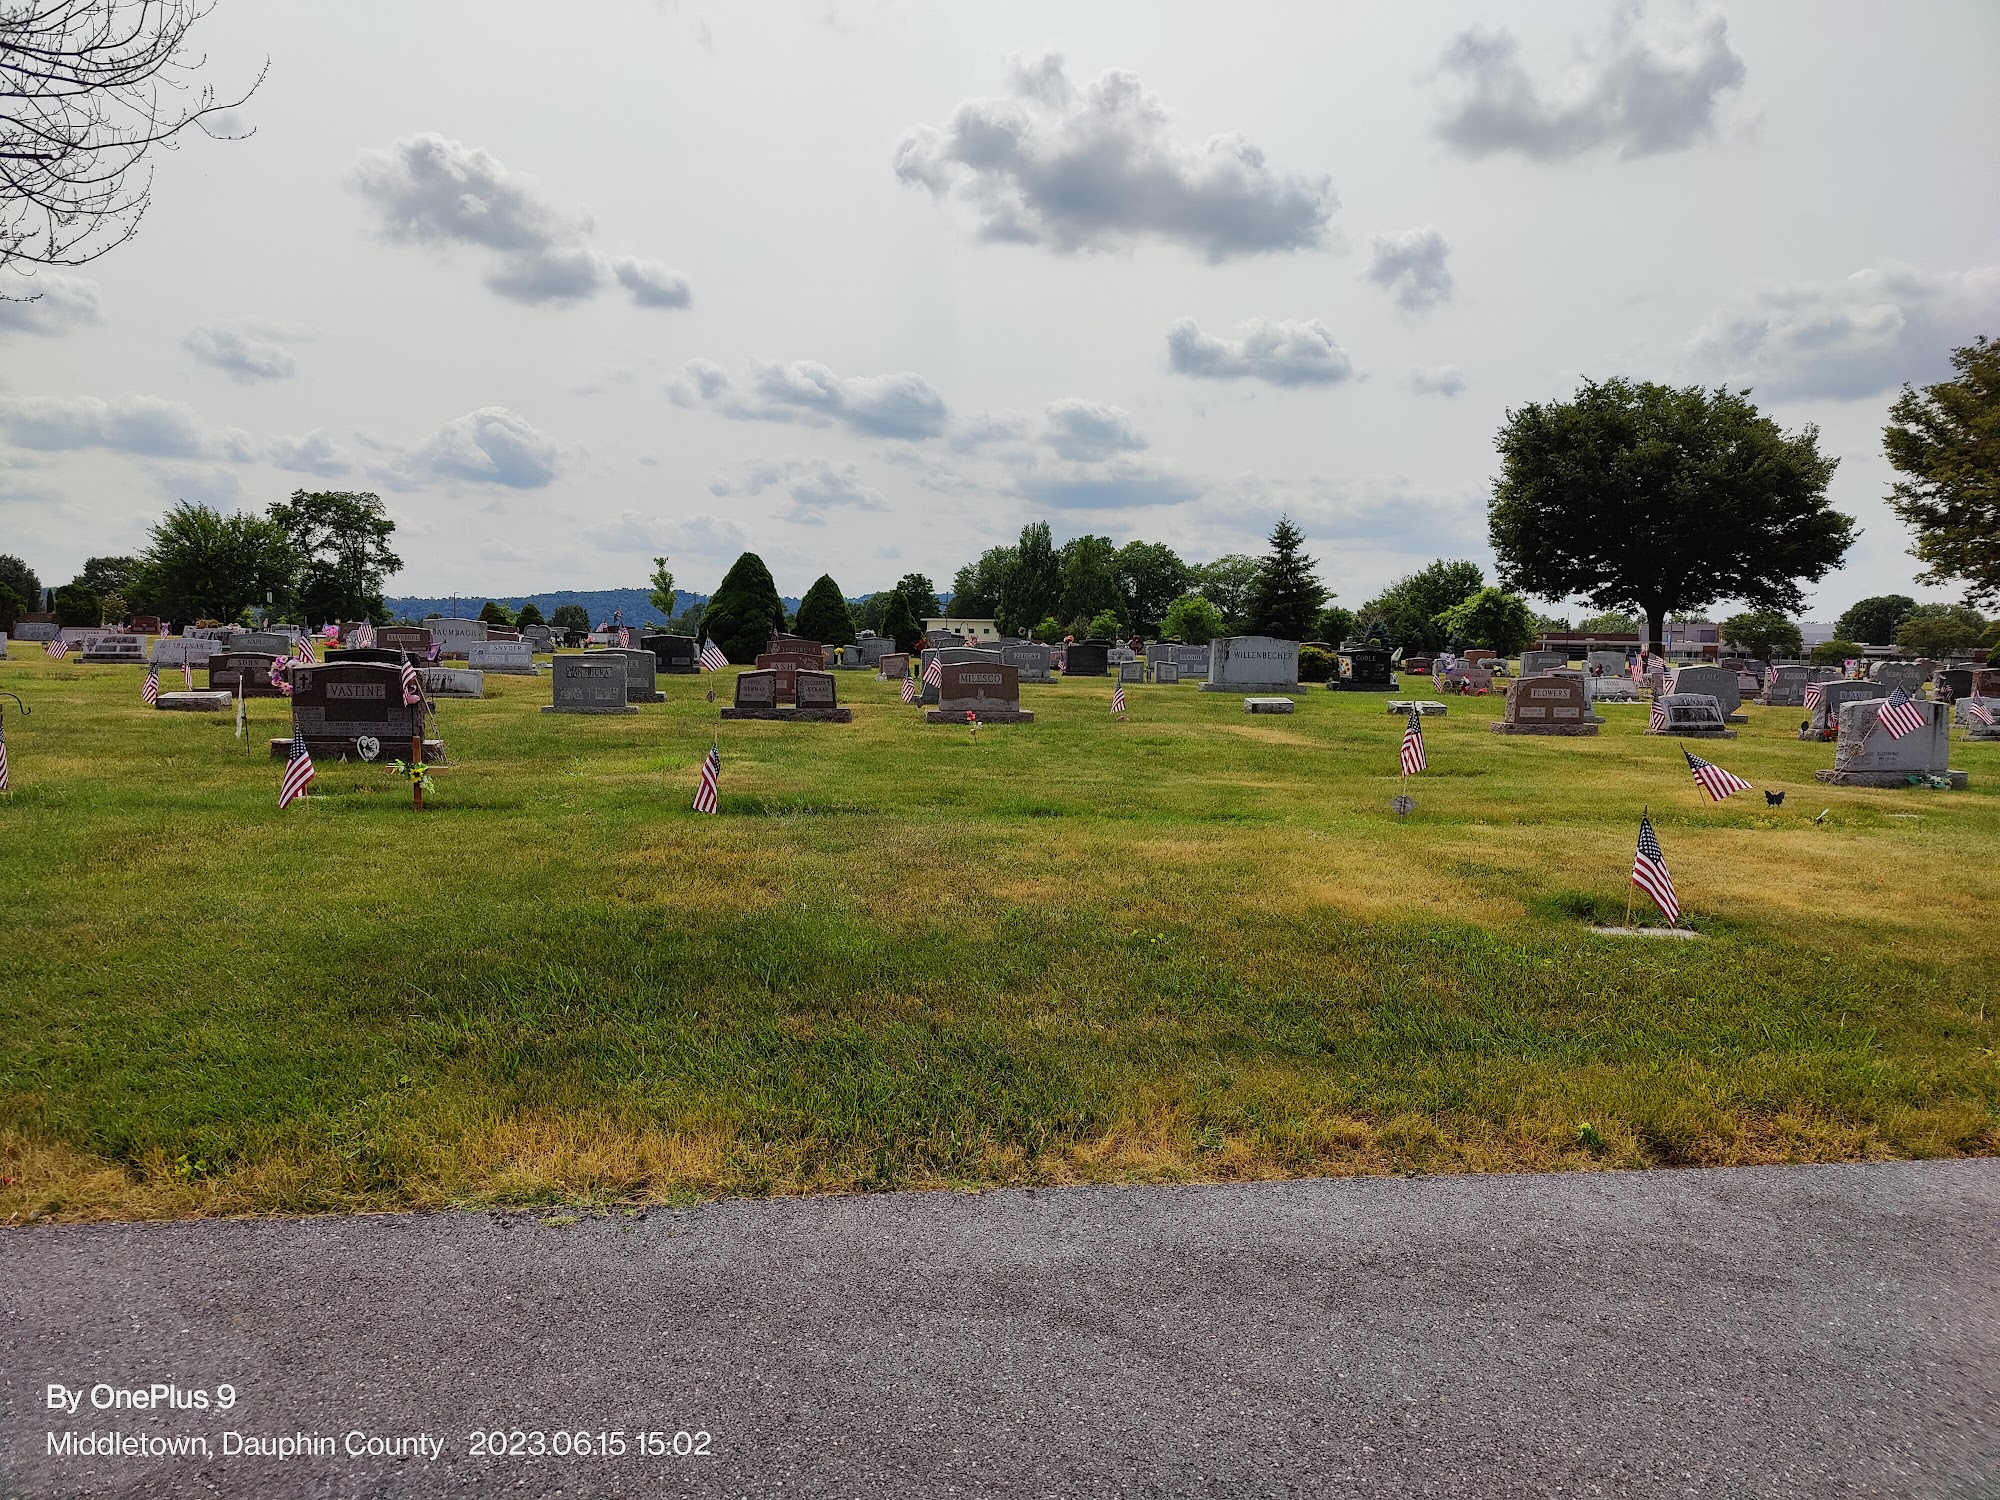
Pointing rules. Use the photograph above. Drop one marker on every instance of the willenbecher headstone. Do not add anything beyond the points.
(1255, 663)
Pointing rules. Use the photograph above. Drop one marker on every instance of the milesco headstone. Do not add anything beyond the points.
(989, 690)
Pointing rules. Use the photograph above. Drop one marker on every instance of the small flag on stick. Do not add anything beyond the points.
(58, 648)
(187, 675)
(3, 758)
(1413, 744)
(1657, 718)
(910, 694)
(711, 776)
(1118, 698)
(413, 691)
(934, 673)
(1899, 715)
(150, 693)
(1979, 711)
(1717, 782)
(1815, 695)
(298, 772)
(712, 659)
(302, 649)
(1649, 873)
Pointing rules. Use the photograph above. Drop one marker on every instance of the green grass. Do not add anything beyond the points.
(1190, 945)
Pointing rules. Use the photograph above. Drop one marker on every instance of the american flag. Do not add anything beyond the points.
(624, 638)
(364, 634)
(934, 673)
(298, 772)
(712, 659)
(1815, 695)
(1413, 744)
(3, 759)
(711, 775)
(1899, 715)
(150, 693)
(302, 649)
(436, 651)
(1979, 711)
(1118, 698)
(413, 690)
(1717, 782)
(1649, 873)
(58, 648)
(1657, 719)
(910, 694)
(187, 675)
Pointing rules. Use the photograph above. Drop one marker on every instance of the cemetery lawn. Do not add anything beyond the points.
(1192, 945)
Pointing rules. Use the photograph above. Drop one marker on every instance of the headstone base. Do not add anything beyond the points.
(609, 708)
(1338, 686)
(1237, 687)
(1884, 778)
(343, 749)
(109, 659)
(1739, 718)
(793, 715)
(1425, 706)
(199, 703)
(1265, 705)
(1686, 733)
(656, 696)
(939, 716)
(1501, 726)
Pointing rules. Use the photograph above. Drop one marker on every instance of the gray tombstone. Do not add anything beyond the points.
(1166, 671)
(1132, 671)
(588, 684)
(114, 649)
(182, 650)
(539, 638)
(1975, 728)
(37, 628)
(1251, 662)
(1546, 705)
(1027, 658)
(988, 690)
(1692, 715)
(247, 672)
(893, 666)
(1823, 719)
(1890, 675)
(1159, 651)
(510, 658)
(1719, 683)
(1787, 689)
(455, 637)
(1428, 707)
(873, 648)
(641, 674)
(1535, 663)
(1613, 662)
(1268, 706)
(1192, 660)
(1865, 755)
(452, 682)
(270, 642)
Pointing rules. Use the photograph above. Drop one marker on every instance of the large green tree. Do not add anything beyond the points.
(1408, 609)
(1150, 577)
(744, 610)
(1946, 445)
(18, 576)
(1285, 600)
(202, 564)
(900, 623)
(1662, 499)
(1764, 633)
(1226, 583)
(1940, 629)
(1335, 625)
(342, 540)
(1089, 581)
(976, 587)
(1873, 621)
(661, 594)
(110, 575)
(570, 617)
(1033, 585)
(12, 607)
(1489, 617)
(922, 594)
(824, 615)
(1191, 620)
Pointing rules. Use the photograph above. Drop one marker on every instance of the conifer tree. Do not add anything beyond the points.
(824, 615)
(1286, 597)
(744, 610)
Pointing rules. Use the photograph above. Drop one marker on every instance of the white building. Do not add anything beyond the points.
(971, 630)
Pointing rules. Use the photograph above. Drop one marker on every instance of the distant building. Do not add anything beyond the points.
(1812, 633)
(971, 630)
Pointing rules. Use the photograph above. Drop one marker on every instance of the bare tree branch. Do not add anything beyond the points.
(87, 89)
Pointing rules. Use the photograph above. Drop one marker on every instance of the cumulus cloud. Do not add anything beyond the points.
(1437, 380)
(1088, 430)
(48, 303)
(130, 424)
(1867, 333)
(245, 352)
(648, 536)
(1123, 482)
(315, 453)
(813, 486)
(1410, 263)
(1050, 164)
(489, 446)
(1644, 91)
(430, 190)
(204, 484)
(1278, 353)
(902, 405)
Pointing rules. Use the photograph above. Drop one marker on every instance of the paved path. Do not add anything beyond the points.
(1800, 1331)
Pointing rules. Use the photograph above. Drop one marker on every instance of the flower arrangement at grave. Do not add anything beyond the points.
(415, 772)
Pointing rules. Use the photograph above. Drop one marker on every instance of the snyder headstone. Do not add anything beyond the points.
(1697, 715)
(1028, 659)
(1546, 704)
(1086, 659)
(334, 704)
(588, 683)
(990, 690)
(1823, 720)
(510, 658)
(250, 671)
(1865, 755)
(1719, 683)
(1253, 663)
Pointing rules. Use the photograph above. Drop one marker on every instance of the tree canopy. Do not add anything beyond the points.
(18, 576)
(203, 565)
(976, 587)
(1149, 576)
(744, 610)
(1033, 584)
(1662, 499)
(1191, 620)
(1408, 609)
(570, 617)
(342, 540)
(1489, 617)
(1946, 445)
(661, 595)
(900, 623)
(1285, 599)
(824, 615)
(1940, 629)
(1089, 582)
(1874, 621)
(1226, 583)
(922, 594)
(1764, 633)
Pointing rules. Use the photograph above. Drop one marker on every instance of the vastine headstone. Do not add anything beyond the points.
(337, 704)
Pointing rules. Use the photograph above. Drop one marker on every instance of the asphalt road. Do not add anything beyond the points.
(1800, 1331)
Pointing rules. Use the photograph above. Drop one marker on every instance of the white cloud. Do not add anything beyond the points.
(203, 484)
(489, 446)
(1868, 333)
(1088, 430)
(813, 487)
(1279, 353)
(315, 453)
(1437, 380)
(1047, 164)
(130, 424)
(649, 536)
(48, 303)
(1123, 482)
(902, 405)
(1410, 263)
(1644, 92)
(245, 352)
(430, 190)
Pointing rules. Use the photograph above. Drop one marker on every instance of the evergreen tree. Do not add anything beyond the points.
(18, 576)
(1033, 583)
(529, 615)
(900, 623)
(744, 610)
(1285, 600)
(824, 615)
(495, 614)
(1089, 580)
(571, 617)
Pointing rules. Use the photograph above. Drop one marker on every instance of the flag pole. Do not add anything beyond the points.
(1644, 813)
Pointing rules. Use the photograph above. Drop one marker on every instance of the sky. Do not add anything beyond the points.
(865, 287)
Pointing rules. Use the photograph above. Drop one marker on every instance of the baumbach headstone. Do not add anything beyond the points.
(1719, 683)
(1694, 715)
(1864, 755)
(1237, 663)
(989, 689)
(335, 704)
(249, 670)
(1546, 705)
(1087, 659)
(588, 683)
(510, 658)
(1823, 722)
(456, 636)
